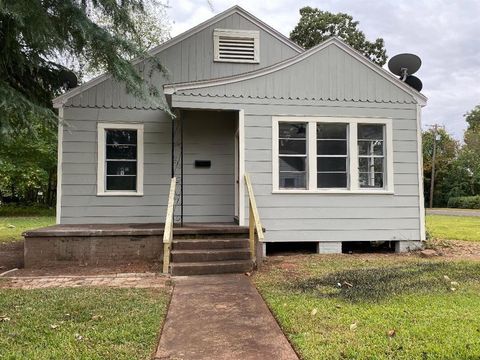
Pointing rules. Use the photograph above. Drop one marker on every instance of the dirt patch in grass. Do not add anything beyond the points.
(11, 255)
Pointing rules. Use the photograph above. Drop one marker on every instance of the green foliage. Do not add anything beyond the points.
(464, 202)
(447, 170)
(316, 26)
(28, 164)
(35, 35)
(473, 118)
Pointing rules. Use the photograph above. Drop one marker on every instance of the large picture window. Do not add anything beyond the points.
(326, 154)
(120, 156)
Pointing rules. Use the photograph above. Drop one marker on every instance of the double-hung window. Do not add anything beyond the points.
(120, 159)
(324, 154)
(292, 150)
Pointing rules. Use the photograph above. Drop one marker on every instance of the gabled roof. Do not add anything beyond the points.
(181, 87)
(60, 100)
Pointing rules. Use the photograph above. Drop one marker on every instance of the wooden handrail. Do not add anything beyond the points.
(254, 222)
(168, 231)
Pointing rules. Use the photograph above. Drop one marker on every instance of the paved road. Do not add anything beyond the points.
(220, 317)
(454, 212)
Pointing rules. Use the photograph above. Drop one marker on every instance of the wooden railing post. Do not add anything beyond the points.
(168, 231)
(254, 223)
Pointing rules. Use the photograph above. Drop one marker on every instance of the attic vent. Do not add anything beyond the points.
(240, 46)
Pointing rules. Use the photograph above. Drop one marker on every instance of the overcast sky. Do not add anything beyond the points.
(445, 34)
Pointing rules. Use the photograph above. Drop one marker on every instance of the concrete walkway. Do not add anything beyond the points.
(220, 317)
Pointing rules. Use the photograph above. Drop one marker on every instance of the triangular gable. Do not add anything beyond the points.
(330, 71)
(62, 99)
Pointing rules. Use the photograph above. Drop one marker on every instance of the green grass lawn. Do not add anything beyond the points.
(81, 323)
(454, 227)
(11, 228)
(397, 307)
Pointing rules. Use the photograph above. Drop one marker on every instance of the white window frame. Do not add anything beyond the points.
(217, 33)
(101, 179)
(354, 187)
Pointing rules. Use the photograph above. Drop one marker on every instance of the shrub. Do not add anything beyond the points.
(464, 202)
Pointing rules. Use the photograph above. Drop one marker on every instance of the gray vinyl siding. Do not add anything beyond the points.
(79, 200)
(328, 217)
(188, 60)
(208, 193)
(328, 74)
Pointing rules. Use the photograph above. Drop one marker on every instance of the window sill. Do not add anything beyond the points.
(120, 193)
(334, 191)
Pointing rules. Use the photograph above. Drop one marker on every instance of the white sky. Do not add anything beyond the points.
(443, 33)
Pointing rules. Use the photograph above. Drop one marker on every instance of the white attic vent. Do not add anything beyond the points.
(241, 46)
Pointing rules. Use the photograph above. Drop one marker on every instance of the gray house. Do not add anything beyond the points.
(331, 141)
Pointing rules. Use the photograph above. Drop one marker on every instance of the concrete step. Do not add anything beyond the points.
(179, 256)
(209, 244)
(215, 267)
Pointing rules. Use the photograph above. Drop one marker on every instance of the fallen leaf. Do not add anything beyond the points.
(4, 318)
(391, 333)
(453, 289)
(454, 283)
(446, 277)
(97, 317)
(11, 226)
(314, 312)
(353, 326)
(54, 326)
(248, 273)
(338, 306)
(78, 337)
(347, 284)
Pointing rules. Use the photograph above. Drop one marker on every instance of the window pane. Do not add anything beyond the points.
(121, 136)
(370, 165)
(372, 132)
(331, 131)
(293, 147)
(370, 147)
(292, 180)
(371, 180)
(331, 164)
(332, 147)
(292, 130)
(121, 168)
(332, 180)
(121, 152)
(122, 183)
(288, 163)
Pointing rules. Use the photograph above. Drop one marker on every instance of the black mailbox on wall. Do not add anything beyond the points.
(203, 164)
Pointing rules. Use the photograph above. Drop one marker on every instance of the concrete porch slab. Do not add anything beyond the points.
(220, 317)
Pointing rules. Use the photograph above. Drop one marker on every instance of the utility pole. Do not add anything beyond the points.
(432, 182)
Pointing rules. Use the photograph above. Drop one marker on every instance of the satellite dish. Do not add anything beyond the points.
(404, 65)
(68, 79)
(414, 82)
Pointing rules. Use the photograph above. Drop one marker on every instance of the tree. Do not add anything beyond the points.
(316, 26)
(473, 118)
(445, 167)
(28, 165)
(36, 34)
